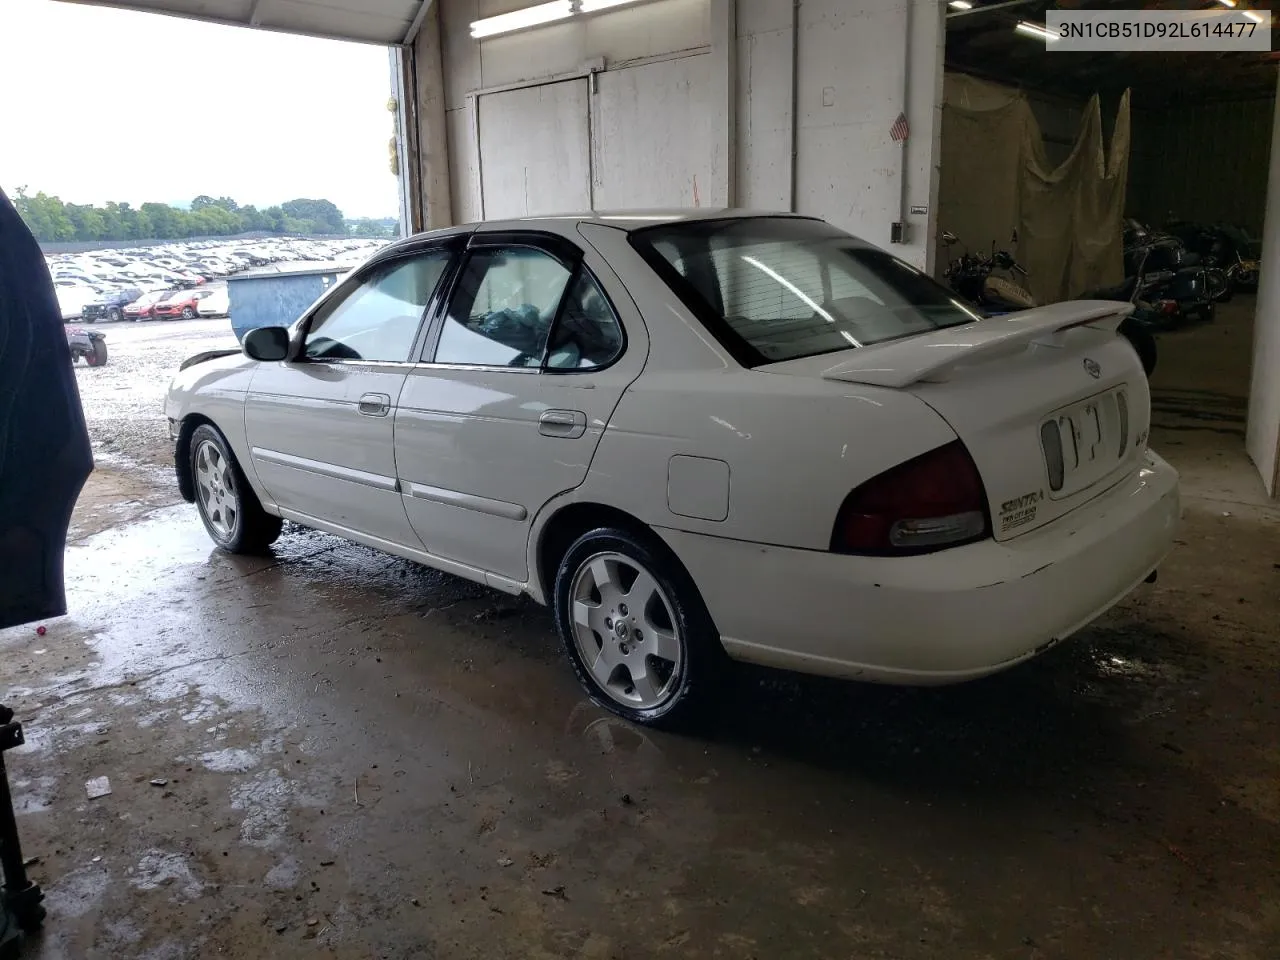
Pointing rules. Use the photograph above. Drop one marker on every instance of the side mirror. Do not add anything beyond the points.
(266, 343)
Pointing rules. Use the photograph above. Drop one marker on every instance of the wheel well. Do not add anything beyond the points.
(571, 522)
(182, 454)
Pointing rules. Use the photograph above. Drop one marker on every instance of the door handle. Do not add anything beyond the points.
(374, 405)
(567, 424)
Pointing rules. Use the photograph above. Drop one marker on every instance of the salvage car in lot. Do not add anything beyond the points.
(179, 304)
(700, 434)
(213, 301)
(72, 296)
(144, 308)
(110, 304)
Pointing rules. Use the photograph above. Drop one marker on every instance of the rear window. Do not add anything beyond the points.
(775, 288)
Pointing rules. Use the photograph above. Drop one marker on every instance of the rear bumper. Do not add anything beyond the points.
(942, 617)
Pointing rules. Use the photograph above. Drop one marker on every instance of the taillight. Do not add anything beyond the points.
(930, 502)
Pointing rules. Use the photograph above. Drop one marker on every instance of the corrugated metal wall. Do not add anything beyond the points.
(1206, 162)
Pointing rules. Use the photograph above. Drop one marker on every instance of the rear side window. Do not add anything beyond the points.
(521, 307)
(586, 335)
(772, 288)
(502, 308)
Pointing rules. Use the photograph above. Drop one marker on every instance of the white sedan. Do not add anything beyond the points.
(698, 435)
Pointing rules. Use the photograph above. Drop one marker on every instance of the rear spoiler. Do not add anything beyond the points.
(932, 357)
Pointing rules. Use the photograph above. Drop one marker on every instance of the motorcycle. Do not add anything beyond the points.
(89, 344)
(970, 275)
(1163, 269)
(1224, 247)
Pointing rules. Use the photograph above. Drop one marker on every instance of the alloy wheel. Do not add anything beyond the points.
(625, 631)
(216, 489)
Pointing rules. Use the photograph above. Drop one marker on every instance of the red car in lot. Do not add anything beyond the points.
(179, 304)
(144, 308)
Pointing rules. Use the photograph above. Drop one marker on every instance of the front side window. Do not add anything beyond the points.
(502, 308)
(379, 319)
(773, 289)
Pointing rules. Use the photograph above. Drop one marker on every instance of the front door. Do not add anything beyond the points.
(525, 370)
(320, 425)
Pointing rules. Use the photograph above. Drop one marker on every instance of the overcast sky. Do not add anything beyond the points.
(99, 104)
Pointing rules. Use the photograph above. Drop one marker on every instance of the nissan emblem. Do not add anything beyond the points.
(1093, 368)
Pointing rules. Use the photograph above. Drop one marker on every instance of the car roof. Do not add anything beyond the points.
(566, 224)
(633, 219)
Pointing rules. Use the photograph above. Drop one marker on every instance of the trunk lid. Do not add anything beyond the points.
(1051, 403)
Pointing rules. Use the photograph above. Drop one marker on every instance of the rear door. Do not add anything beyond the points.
(320, 425)
(522, 375)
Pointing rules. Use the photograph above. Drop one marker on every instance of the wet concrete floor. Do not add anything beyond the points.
(365, 758)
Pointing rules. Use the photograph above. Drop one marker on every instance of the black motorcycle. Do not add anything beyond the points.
(1161, 268)
(1222, 247)
(970, 275)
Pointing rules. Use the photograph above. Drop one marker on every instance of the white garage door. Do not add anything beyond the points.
(651, 144)
(534, 150)
(639, 140)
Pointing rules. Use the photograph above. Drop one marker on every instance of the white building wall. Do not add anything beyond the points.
(1263, 433)
(842, 164)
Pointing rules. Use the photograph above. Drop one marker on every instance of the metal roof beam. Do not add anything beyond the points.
(416, 25)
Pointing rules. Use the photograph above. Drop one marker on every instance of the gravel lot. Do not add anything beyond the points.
(124, 401)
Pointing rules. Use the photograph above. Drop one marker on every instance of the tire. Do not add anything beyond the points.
(660, 662)
(229, 509)
(1144, 344)
(1217, 285)
(97, 357)
(115, 315)
(188, 313)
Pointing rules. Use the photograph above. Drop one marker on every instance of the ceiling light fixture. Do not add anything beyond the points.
(960, 5)
(1227, 3)
(519, 19)
(1037, 30)
(591, 6)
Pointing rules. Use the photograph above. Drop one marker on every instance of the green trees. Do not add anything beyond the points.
(377, 229)
(53, 221)
(312, 216)
(45, 215)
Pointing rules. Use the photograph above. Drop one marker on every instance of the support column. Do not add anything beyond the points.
(403, 164)
(429, 145)
(724, 48)
(1262, 437)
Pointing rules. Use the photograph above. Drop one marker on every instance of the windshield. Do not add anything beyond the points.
(779, 288)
